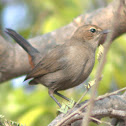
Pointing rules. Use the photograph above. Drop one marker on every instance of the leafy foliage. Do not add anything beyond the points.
(35, 107)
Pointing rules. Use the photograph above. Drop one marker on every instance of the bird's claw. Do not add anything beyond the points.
(67, 105)
(64, 108)
(71, 103)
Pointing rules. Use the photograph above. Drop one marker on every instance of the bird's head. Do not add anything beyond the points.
(89, 34)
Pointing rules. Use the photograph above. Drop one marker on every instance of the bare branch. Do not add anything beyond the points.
(109, 105)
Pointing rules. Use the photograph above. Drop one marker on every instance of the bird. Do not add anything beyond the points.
(65, 66)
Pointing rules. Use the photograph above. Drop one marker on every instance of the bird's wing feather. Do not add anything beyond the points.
(53, 61)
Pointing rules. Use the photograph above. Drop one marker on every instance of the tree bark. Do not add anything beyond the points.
(112, 106)
(14, 60)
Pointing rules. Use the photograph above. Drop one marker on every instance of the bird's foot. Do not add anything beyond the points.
(70, 103)
(66, 106)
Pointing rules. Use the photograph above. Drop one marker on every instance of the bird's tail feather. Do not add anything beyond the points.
(22, 42)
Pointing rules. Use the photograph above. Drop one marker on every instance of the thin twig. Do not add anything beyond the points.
(78, 102)
(81, 97)
(108, 43)
(78, 111)
(109, 94)
(100, 68)
(99, 121)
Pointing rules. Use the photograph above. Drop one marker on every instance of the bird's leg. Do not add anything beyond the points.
(62, 96)
(51, 92)
(65, 106)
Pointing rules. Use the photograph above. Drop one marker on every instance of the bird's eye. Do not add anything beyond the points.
(93, 30)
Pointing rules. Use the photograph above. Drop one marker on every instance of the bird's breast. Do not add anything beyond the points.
(89, 66)
(82, 68)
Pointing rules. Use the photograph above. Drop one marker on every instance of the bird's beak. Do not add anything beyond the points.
(105, 31)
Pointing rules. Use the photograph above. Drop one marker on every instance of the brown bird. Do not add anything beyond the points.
(65, 66)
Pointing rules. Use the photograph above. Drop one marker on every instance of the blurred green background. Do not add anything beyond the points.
(31, 105)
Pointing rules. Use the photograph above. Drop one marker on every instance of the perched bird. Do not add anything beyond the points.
(65, 66)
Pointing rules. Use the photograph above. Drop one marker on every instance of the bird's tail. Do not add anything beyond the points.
(22, 42)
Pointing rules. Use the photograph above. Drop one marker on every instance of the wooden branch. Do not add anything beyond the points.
(14, 62)
(110, 105)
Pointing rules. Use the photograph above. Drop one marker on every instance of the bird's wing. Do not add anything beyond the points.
(53, 61)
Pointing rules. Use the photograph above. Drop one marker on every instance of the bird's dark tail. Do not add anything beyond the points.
(22, 42)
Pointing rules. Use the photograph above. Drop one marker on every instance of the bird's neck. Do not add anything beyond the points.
(92, 47)
(88, 45)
